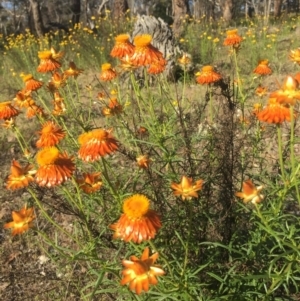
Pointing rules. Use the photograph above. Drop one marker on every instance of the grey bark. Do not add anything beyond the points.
(180, 9)
(37, 17)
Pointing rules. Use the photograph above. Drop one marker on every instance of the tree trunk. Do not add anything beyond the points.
(37, 17)
(227, 7)
(277, 8)
(76, 11)
(180, 10)
(119, 9)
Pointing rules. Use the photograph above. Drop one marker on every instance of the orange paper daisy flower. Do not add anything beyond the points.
(89, 182)
(207, 76)
(289, 92)
(7, 111)
(50, 135)
(261, 91)
(33, 110)
(54, 168)
(156, 68)
(138, 223)
(107, 72)
(114, 108)
(23, 99)
(122, 47)
(73, 70)
(31, 84)
(250, 193)
(96, 144)
(141, 273)
(186, 188)
(232, 38)
(59, 105)
(47, 62)
(22, 221)
(274, 112)
(144, 53)
(57, 81)
(143, 161)
(19, 177)
(185, 61)
(295, 56)
(257, 107)
(263, 68)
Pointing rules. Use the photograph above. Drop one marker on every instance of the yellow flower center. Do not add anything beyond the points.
(136, 206)
(43, 55)
(143, 40)
(47, 128)
(264, 62)
(231, 32)
(105, 67)
(27, 77)
(98, 134)
(47, 156)
(207, 69)
(122, 38)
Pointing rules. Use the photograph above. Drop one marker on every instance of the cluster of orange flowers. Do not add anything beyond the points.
(138, 223)
(140, 53)
(208, 75)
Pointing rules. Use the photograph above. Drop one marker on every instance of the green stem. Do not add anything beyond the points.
(292, 152)
(280, 154)
(37, 201)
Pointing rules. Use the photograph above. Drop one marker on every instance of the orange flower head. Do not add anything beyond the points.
(257, 107)
(295, 56)
(250, 193)
(34, 110)
(142, 131)
(274, 112)
(54, 168)
(207, 76)
(19, 177)
(143, 161)
(186, 188)
(138, 223)
(156, 68)
(107, 72)
(7, 111)
(232, 38)
(9, 123)
(122, 47)
(57, 55)
(73, 70)
(261, 91)
(141, 273)
(23, 99)
(59, 105)
(144, 53)
(22, 221)
(289, 92)
(89, 182)
(263, 68)
(126, 64)
(47, 63)
(114, 108)
(31, 84)
(96, 144)
(50, 135)
(57, 81)
(185, 61)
